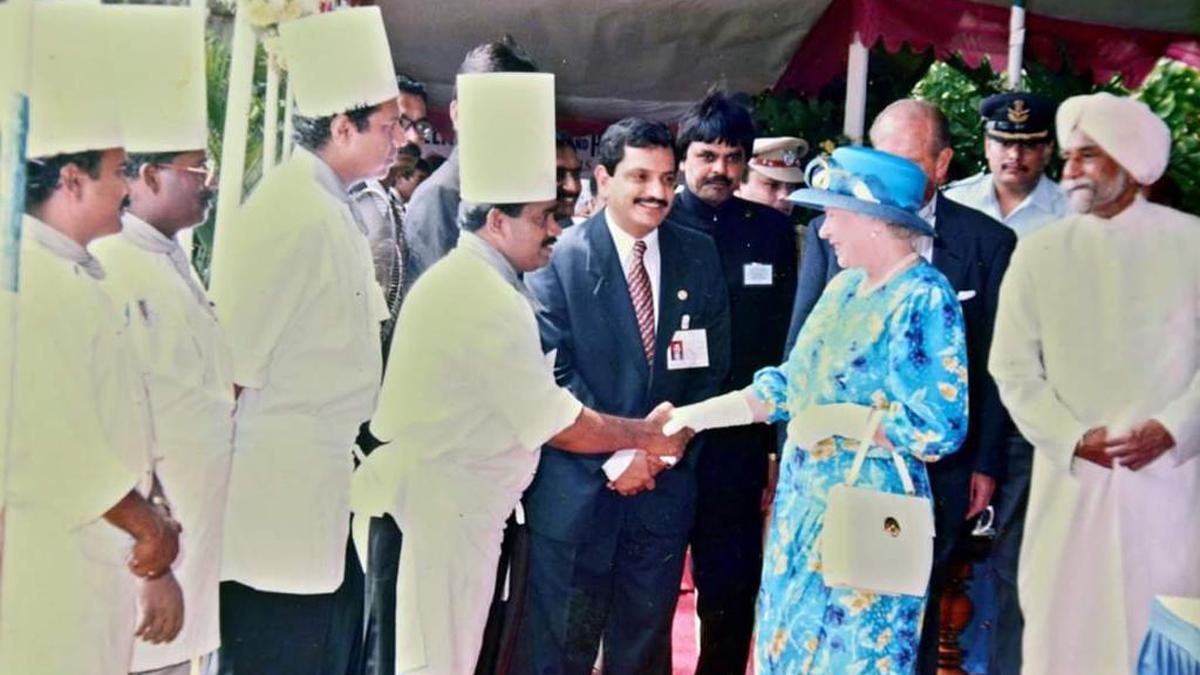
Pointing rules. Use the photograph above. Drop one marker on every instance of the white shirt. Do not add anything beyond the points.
(1044, 205)
(923, 245)
(1098, 324)
(620, 460)
(467, 403)
(295, 290)
(188, 373)
(651, 259)
(81, 440)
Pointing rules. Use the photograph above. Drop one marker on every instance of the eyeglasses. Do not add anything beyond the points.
(207, 171)
(423, 127)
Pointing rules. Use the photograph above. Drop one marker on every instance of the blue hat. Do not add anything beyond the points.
(867, 181)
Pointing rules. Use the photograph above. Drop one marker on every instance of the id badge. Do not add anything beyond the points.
(757, 274)
(688, 349)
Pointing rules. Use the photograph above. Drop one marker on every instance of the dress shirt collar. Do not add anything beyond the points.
(1045, 197)
(624, 241)
(63, 246)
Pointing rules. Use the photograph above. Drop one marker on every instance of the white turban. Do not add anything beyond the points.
(1126, 129)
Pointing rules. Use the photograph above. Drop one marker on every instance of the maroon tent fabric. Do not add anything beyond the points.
(977, 31)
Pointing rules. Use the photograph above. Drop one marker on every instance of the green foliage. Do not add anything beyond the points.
(1172, 90)
(218, 57)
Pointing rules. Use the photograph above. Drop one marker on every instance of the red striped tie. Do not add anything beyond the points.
(643, 300)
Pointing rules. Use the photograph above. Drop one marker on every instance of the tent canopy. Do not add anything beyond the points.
(651, 58)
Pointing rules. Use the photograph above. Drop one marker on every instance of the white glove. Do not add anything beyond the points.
(818, 422)
(727, 410)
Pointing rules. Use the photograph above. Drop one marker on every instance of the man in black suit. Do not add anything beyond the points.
(637, 313)
(972, 250)
(758, 257)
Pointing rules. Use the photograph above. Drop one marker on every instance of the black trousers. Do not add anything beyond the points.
(951, 487)
(727, 548)
(266, 633)
(383, 566)
(1012, 497)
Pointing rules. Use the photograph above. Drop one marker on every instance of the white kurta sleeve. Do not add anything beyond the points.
(1181, 417)
(1016, 364)
(519, 383)
(259, 281)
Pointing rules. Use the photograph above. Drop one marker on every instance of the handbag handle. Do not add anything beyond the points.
(864, 442)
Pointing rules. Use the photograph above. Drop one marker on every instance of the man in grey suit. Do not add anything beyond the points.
(431, 223)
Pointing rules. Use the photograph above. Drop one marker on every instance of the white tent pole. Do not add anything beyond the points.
(271, 118)
(237, 123)
(1016, 43)
(856, 91)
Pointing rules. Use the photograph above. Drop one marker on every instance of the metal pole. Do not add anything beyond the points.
(1016, 43)
(856, 91)
(237, 128)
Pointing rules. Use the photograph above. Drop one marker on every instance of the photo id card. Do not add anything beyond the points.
(757, 274)
(688, 349)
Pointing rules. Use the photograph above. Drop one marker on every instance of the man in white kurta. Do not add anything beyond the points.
(295, 291)
(1097, 356)
(187, 369)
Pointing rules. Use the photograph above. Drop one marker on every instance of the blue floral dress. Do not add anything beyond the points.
(901, 346)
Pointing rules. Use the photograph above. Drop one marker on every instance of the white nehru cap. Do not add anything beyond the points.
(1125, 128)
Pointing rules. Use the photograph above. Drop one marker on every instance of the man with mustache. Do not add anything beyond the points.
(295, 290)
(1016, 192)
(567, 170)
(608, 534)
(757, 245)
(185, 359)
(1097, 356)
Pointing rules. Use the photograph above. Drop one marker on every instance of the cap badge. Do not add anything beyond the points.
(1018, 113)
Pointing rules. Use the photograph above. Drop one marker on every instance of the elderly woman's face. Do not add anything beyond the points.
(852, 235)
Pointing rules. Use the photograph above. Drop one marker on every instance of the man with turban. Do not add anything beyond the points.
(1097, 356)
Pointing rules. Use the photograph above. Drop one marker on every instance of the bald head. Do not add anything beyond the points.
(917, 131)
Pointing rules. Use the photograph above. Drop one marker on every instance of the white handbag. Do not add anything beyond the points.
(877, 541)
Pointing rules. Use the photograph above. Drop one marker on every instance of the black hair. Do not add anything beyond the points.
(717, 118)
(632, 132)
(563, 140)
(407, 85)
(473, 215)
(498, 56)
(42, 175)
(312, 133)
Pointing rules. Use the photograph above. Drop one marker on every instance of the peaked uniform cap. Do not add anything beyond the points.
(780, 158)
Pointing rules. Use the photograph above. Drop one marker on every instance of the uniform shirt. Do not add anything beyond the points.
(295, 290)
(468, 400)
(188, 373)
(1044, 205)
(81, 440)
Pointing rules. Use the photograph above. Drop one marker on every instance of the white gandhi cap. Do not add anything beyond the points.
(162, 102)
(338, 61)
(505, 125)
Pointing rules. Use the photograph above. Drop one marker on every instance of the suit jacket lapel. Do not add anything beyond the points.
(612, 292)
(672, 280)
(948, 245)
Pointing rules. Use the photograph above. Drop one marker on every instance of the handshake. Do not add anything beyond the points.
(656, 450)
